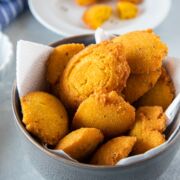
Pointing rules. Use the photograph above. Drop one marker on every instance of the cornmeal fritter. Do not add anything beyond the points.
(81, 143)
(149, 126)
(151, 117)
(58, 60)
(107, 112)
(86, 2)
(96, 15)
(113, 151)
(148, 140)
(44, 116)
(144, 51)
(132, 1)
(127, 10)
(138, 84)
(162, 94)
(98, 67)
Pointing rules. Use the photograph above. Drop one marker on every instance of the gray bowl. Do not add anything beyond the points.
(53, 167)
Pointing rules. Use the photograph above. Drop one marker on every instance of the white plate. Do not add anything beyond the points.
(64, 16)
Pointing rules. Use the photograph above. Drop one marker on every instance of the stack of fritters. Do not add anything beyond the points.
(100, 83)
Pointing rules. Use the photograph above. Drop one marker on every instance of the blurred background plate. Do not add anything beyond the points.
(64, 16)
(6, 51)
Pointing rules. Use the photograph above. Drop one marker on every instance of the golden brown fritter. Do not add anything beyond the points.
(86, 2)
(138, 84)
(96, 15)
(114, 150)
(81, 143)
(127, 10)
(107, 112)
(148, 140)
(149, 126)
(132, 1)
(151, 117)
(144, 51)
(98, 67)
(161, 94)
(58, 60)
(44, 116)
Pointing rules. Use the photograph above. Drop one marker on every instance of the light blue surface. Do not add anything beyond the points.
(14, 163)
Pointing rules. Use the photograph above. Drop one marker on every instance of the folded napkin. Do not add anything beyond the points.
(30, 66)
(9, 9)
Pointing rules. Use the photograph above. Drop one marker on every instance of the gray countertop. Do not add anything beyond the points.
(14, 162)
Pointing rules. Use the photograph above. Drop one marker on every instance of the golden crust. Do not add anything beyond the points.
(149, 126)
(44, 116)
(96, 15)
(100, 67)
(107, 112)
(81, 143)
(138, 84)
(161, 94)
(58, 60)
(86, 2)
(113, 151)
(148, 140)
(151, 117)
(144, 51)
(127, 10)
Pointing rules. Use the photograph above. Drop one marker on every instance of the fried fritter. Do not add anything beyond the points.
(127, 10)
(151, 117)
(149, 126)
(147, 140)
(114, 150)
(107, 112)
(98, 67)
(161, 94)
(96, 15)
(132, 1)
(138, 84)
(58, 60)
(44, 116)
(86, 2)
(144, 51)
(81, 143)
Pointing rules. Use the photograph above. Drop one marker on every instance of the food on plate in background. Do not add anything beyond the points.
(127, 10)
(57, 62)
(85, 2)
(81, 143)
(113, 151)
(149, 127)
(144, 51)
(96, 15)
(161, 94)
(132, 1)
(44, 116)
(138, 84)
(107, 112)
(98, 67)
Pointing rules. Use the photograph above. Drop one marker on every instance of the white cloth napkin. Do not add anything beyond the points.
(31, 67)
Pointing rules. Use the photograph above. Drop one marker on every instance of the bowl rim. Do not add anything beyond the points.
(66, 161)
